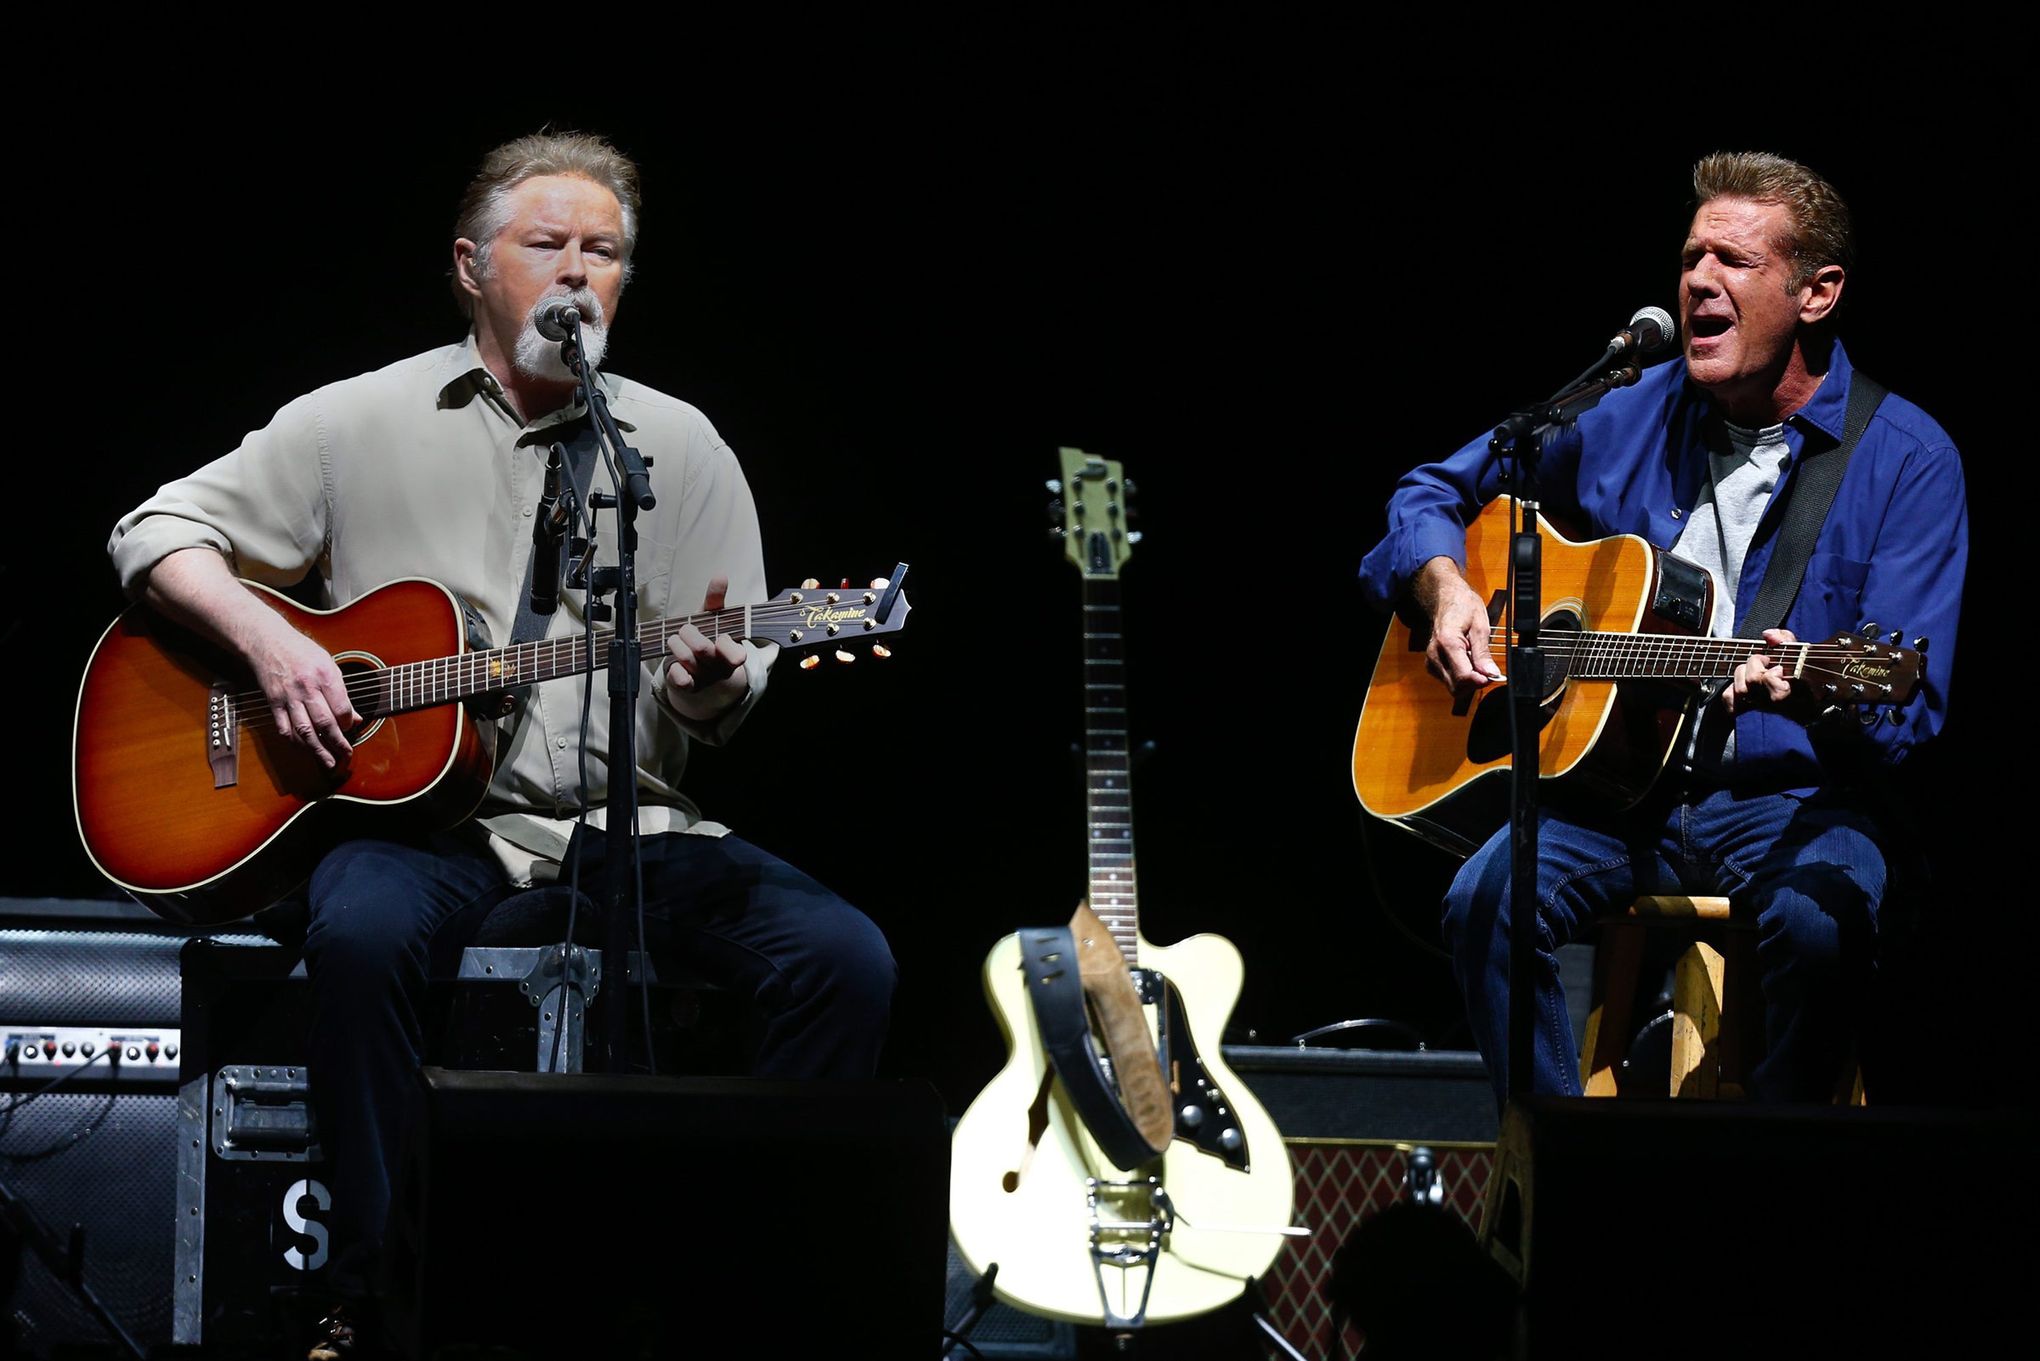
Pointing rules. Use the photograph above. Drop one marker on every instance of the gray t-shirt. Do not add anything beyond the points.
(1743, 469)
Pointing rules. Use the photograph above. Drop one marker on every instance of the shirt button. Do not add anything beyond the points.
(527, 512)
(560, 742)
(1675, 513)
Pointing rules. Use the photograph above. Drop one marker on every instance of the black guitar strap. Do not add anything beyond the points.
(1048, 959)
(582, 452)
(1813, 493)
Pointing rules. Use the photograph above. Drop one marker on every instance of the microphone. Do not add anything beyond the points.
(547, 529)
(1649, 331)
(557, 319)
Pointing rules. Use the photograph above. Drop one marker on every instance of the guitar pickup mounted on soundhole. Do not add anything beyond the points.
(223, 736)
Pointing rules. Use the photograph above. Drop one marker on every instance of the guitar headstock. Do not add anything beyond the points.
(1090, 509)
(1862, 672)
(814, 616)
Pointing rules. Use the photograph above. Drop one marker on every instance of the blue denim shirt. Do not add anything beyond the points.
(1893, 549)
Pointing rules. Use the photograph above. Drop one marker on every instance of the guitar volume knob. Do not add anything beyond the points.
(1190, 1117)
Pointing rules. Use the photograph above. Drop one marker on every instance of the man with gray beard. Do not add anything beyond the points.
(433, 467)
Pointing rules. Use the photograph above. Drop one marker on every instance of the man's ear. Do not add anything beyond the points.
(1820, 294)
(465, 261)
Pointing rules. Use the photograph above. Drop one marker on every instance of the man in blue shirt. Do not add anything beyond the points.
(1700, 457)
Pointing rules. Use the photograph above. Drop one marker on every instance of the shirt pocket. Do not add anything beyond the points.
(1830, 597)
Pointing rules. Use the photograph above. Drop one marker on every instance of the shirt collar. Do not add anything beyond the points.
(1824, 411)
(466, 377)
(1827, 410)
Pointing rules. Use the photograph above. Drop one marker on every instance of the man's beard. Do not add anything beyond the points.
(537, 357)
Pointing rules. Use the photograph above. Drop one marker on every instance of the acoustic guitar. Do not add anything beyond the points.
(1625, 669)
(1072, 1235)
(188, 797)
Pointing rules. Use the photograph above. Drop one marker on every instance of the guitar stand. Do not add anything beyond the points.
(980, 1301)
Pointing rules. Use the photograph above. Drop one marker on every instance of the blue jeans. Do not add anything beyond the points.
(1811, 867)
(818, 971)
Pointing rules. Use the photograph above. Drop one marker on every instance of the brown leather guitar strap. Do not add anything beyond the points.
(1051, 963)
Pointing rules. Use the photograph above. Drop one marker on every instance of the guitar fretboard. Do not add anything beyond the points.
(445, 680)
(1621, 656)
(1107, 767)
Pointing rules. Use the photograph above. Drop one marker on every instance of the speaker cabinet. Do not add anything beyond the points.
(568, 1215)
(1705, 1228)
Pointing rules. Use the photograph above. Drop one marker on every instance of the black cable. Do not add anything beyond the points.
(8, 1110)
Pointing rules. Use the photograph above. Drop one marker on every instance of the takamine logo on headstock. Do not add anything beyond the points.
(1090, 510)
(846, 612)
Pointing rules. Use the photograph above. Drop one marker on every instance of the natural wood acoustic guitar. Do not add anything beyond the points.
(1626, 666)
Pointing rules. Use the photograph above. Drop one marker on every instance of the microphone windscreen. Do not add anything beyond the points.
(1653, 328)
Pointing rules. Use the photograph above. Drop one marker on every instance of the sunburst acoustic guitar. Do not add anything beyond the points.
(188, 798)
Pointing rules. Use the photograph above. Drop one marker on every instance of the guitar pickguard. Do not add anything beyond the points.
(1204, 1116)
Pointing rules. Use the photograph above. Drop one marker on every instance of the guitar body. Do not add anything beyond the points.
(1021, 1162)
(153, 815)
(1439, 767)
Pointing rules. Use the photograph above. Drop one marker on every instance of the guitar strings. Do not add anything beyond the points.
(429, 678)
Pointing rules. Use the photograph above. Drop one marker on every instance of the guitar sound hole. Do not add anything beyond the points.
(351, 670)
(1487, 736)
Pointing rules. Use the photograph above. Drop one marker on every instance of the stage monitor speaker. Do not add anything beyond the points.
(1706, 1228)
(610, 1215)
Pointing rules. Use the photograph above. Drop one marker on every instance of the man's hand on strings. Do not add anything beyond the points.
(306, 691)
(1460, 651)
(1760, 682)
(706, 677)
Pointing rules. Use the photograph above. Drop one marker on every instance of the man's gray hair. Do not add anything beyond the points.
(485, 207)
(1821, 234)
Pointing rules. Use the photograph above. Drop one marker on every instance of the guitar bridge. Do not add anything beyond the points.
(1129, 1240)
(223, 736)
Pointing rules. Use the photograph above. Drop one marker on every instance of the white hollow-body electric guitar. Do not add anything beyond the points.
(1073, 1236)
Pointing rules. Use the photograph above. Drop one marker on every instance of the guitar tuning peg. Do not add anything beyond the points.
(1867, 717)
(1055, 484)
(1135, 535)
(1057, 532)
(1055, 511)
(1827, 715)
(810, 584)
(880, 651)
(880, 583)
(1896, 721)
(845, 657)
(1896, 634)
(1130, 488)
(810, 662)
(1920, 644)
(1871, 629)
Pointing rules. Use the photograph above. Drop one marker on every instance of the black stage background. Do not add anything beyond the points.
(896, 287)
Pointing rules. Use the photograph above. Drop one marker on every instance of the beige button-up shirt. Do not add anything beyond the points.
(422, 469)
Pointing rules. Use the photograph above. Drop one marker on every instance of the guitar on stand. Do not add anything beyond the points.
(1115, 1172)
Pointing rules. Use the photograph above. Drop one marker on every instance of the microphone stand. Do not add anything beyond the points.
(1516, 445)
(621, 865)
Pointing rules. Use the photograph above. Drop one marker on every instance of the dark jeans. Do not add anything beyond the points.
(1812, 869)
(819, 973)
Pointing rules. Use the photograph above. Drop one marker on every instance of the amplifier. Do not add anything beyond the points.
(1352, 1119)
(90, 1047)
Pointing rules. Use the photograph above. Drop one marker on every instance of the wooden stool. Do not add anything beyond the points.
(1715, 1001)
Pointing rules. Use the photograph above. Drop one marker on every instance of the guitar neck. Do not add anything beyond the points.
(447, 680)
(1665, 656)
(1107, 768)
